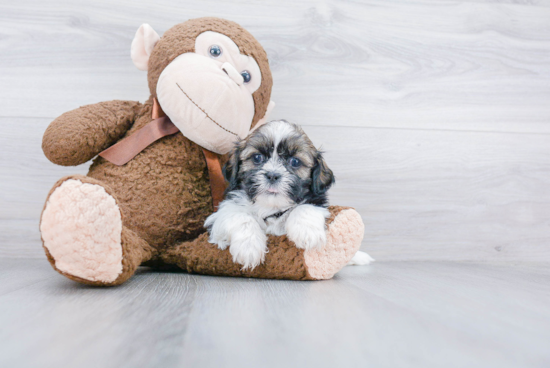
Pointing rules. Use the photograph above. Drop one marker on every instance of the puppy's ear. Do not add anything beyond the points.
(322, 177)
(231, 169)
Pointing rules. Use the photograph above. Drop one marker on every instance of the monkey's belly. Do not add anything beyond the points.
(164, 192)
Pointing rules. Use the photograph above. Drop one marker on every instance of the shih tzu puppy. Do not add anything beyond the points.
(278, 184)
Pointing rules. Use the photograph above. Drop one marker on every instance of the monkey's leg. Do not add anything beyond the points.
(84, 236)
(283, 261)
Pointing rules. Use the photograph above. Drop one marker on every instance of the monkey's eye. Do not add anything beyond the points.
(257, 158)
(215, 51)
(246, 76)
(294, 162)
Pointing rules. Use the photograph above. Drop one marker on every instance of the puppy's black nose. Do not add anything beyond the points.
(273, 176)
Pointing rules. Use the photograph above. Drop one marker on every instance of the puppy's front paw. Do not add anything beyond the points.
(219, 238)
(248, 245)
(221, 243)
(307, 237)
(305, 226)
(217, 230)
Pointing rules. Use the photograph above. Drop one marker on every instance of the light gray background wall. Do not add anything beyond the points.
(434, 115)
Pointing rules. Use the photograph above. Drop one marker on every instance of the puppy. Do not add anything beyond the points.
(278, 184)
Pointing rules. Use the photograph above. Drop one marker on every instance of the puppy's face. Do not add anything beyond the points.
(278, 166)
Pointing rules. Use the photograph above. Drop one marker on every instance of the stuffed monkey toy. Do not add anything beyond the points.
(157, 174)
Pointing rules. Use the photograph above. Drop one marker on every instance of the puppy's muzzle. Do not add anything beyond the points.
(273, 177)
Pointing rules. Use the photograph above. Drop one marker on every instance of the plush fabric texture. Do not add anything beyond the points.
(208, 107)
(181, 39)
(344, 236)
(135, 250)
(154, 206)
(232, 63)
(164, 191)
(142, 46)
(79, 135)
(81, 230)
(282, 261)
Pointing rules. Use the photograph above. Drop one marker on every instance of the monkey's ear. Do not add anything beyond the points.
(231, 169)
(322, 177)
(263, 120)
(142, 46)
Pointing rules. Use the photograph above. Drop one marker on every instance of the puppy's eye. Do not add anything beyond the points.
(246, 76)
(258, 158)
(215, 51)
(294, 162)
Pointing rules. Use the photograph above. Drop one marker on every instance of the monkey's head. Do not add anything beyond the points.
(210, 76)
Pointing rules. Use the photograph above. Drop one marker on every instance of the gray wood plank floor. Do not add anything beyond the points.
(391, 314)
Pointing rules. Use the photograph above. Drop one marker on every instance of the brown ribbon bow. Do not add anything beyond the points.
(128, 148)
(161, 126)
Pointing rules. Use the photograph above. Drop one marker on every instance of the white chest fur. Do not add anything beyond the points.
(276, 225)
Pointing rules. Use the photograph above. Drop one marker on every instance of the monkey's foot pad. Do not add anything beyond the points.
(81, 227)
(344, 236)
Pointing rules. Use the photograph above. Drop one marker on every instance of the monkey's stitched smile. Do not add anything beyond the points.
(205, 113)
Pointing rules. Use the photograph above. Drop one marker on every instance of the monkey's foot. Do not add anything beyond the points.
(344, 235)
(81, 229)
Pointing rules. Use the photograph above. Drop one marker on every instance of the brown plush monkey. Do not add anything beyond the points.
(145, 199)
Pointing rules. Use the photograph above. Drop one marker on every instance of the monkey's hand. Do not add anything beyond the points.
(305, 226)
(78, 135)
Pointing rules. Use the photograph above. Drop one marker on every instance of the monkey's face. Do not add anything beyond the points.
(208, 93)
(211, 89)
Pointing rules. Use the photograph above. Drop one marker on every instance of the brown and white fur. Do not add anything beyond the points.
(278, 184)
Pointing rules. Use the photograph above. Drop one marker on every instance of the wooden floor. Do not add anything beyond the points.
(391, 314)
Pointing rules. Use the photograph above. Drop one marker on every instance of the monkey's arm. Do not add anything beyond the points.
(78, 135)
